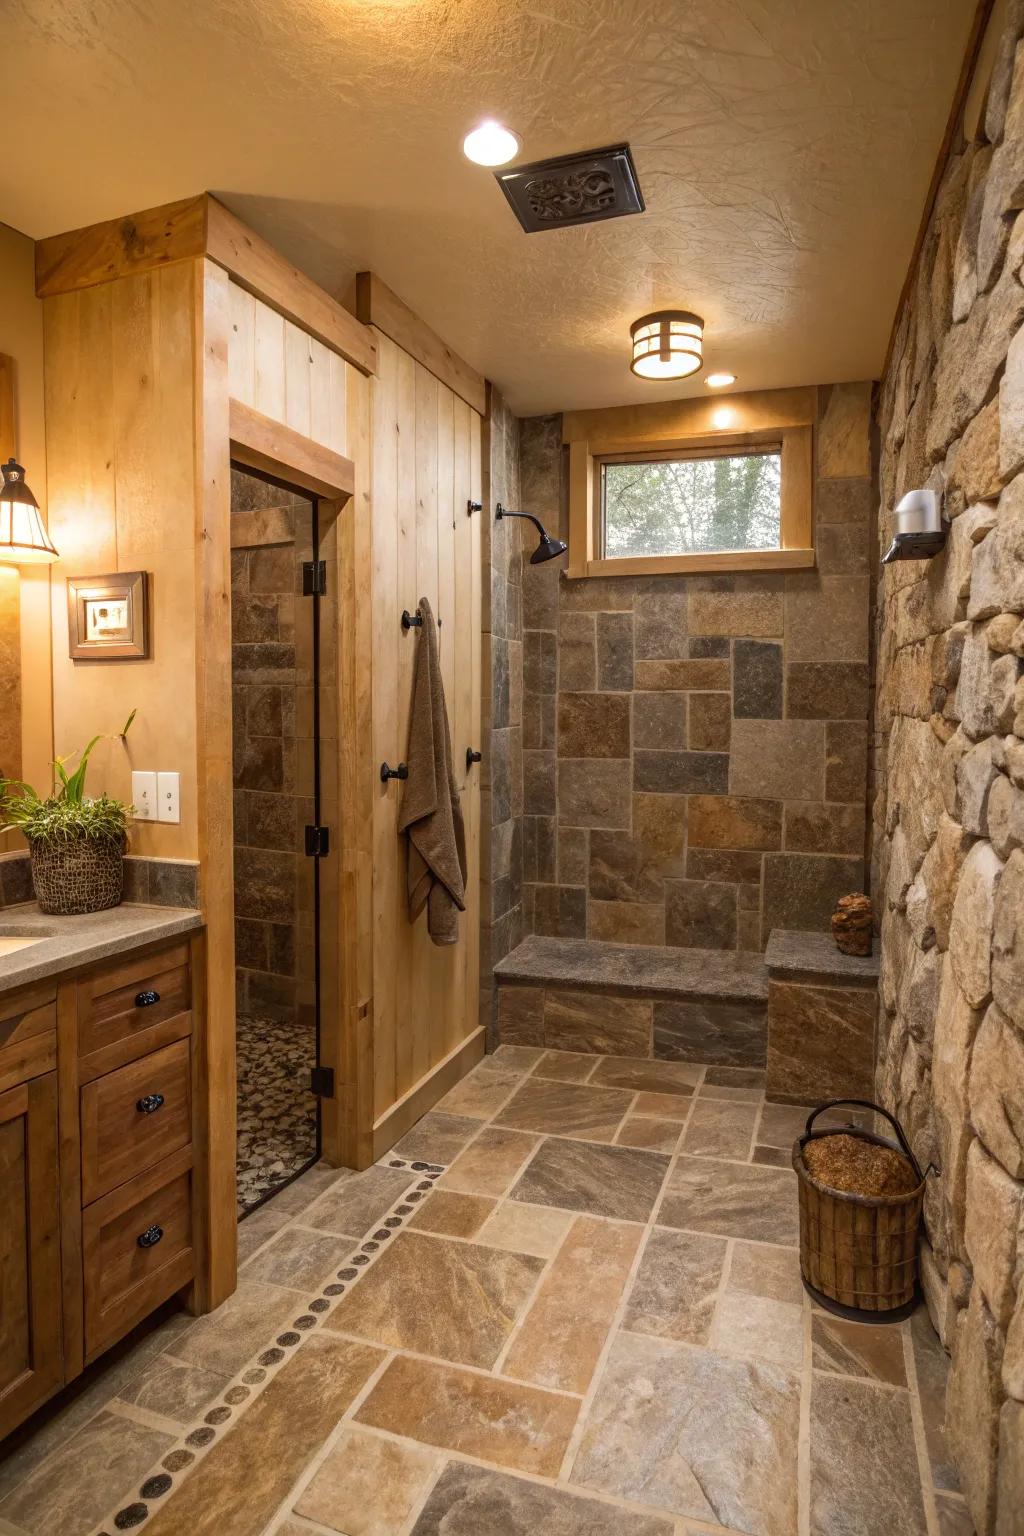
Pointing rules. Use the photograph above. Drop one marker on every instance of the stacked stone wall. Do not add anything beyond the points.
(948, 834)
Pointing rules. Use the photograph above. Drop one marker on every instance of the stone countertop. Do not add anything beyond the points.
(791, 953)
(67, 943)
(661, 971)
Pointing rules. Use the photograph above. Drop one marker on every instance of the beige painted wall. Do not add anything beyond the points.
(24, 594)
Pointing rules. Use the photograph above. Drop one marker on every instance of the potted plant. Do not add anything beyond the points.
(76, 844)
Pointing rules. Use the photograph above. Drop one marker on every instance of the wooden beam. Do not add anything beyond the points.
(255, 265)
(374, 303)
(99, 253)
(270, 447)
(195, 227)
(626, 428)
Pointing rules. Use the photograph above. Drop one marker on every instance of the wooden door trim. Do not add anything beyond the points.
(268, 446)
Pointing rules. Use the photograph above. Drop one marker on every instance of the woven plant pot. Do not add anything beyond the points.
(82, 875)
(858, 1253)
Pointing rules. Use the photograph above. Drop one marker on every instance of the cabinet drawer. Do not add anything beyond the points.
(133, 1117)
(137, 1249)
(133, 995)
(28, 1034)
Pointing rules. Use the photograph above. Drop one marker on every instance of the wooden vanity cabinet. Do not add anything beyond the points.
(31, 1364)
(97, 1160)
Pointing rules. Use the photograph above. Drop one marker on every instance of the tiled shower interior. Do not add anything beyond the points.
(272, 698)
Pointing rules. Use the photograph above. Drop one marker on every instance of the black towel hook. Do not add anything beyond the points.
(401, 772)
(414, 620)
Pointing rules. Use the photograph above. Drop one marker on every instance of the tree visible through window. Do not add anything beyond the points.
(692, 505)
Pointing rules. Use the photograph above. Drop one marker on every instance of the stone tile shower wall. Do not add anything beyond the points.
(949, 816)
(271, 687)
(694, 748)
(501, 904)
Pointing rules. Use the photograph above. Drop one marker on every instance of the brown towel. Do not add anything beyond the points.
(431, 814)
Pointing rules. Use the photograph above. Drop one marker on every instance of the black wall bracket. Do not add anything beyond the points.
(472, 757)
(321, 1082)
(414, 620)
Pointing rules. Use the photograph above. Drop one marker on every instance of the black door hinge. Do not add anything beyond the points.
(321, 1082)
(318, 842)
(314, 578)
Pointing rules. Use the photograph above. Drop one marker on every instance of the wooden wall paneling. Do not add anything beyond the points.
(450, 972)
(10, 610)
(213, 969)
(421, 1016)
(388, 706)
(320, 423)
(342, 378)
(357, 777)
(403, 646)
(265, 272)
(242, 345)
(459, 689)
(269, 356)
(377, 305)
(471, 920)
(297, 365)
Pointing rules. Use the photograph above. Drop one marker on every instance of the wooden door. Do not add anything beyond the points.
(30, 1328)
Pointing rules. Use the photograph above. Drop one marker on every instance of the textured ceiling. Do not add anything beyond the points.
(784, 148)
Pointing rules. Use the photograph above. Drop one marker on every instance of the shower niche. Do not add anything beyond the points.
(276, 681)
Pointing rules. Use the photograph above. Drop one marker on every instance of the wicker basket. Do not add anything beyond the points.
(858, 1253)
(85, 874)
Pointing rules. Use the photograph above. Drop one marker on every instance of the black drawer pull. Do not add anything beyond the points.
(150, 1237)
(146, 999)
(148, 1103)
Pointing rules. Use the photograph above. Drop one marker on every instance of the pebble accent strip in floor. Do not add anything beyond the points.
(133, 1510)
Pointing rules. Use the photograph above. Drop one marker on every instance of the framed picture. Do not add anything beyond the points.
(107, 618)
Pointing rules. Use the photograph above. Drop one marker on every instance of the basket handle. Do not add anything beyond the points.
(878, 1110)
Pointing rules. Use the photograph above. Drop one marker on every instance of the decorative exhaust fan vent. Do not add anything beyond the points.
(573, 189)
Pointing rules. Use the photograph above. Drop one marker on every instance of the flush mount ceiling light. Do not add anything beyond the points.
(668, 344)
(491, 144)
(719, 380)
(23, 538)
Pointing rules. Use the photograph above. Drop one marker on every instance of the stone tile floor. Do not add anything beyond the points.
(568, 1301)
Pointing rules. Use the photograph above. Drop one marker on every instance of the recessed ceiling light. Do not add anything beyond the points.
(719, 380)
(491, 144)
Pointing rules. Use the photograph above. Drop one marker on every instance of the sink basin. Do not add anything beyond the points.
(9, 945)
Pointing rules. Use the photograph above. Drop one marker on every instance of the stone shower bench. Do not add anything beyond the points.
(822, 1009)
(672, 1004)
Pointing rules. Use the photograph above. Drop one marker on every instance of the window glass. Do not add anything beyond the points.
(693, 504)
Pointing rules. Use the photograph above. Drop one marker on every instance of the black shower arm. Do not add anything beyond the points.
(504, 512)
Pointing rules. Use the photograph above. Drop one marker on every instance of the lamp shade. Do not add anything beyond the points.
(23, 537)
(667, 345)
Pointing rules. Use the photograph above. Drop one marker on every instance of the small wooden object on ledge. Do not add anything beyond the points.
(852, 924)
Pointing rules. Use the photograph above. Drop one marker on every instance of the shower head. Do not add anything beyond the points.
(548, 548)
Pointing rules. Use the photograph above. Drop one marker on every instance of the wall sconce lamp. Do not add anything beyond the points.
(920, 529)
(23, 537)
(548, 548)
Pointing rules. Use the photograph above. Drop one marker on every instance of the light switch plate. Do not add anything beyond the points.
(144, 796)
(168, 796)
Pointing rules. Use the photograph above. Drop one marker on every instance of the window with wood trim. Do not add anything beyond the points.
(666, 489)
(701, 501)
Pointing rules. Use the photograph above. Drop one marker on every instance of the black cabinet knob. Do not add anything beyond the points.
(149, 1103)
(146, 999)
(150, 1237)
